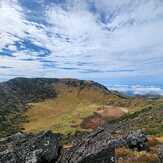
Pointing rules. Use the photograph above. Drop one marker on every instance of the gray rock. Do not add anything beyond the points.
(137, 140)
(22, 148)
(97, 147)
(161, 153)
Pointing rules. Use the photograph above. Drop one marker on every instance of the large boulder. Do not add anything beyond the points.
(22, 148)
(97, 147)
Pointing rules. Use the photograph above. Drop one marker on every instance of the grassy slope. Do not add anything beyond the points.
(61, 105)
(149, 118)
(65, 113)
(14, 94)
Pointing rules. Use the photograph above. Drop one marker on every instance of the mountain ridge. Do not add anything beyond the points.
(17, 92)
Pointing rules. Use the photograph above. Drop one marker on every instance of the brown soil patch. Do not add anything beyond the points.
(152, 141)
(112, 112)
(101, 115)
(92, 122)
(67, 146)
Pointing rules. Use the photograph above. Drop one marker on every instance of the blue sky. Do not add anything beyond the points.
(117, 43)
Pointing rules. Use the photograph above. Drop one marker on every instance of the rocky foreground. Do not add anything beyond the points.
(21, 148)
(97, 147)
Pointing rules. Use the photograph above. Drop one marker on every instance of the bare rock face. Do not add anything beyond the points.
(22, 148)
(161, 152)
(97, 147)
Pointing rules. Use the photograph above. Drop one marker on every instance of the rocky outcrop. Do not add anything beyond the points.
(161, 152)
(99, 147)
(137, 140)
(22, 148)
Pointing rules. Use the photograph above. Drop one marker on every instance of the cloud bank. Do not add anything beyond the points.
(138, 89)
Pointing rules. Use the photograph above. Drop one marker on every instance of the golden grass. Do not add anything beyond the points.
(65, 113)
(62, 114)
(160, 139)
(125, 155)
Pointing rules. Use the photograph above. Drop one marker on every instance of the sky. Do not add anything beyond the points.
(116, 43)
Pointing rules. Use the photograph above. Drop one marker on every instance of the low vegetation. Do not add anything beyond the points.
(62, 114)
(62, 105)
(126, 155)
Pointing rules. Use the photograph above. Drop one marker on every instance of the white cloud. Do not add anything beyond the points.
(18, 67)
(147, 90)
(127, 44)
(12, 48)
(138, 89)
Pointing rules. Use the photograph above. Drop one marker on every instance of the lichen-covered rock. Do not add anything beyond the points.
(137, 140)
(97, 147)
(22, 148)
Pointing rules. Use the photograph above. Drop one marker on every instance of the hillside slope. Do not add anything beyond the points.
(70, 105)
(75, 101)
(16, 96)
